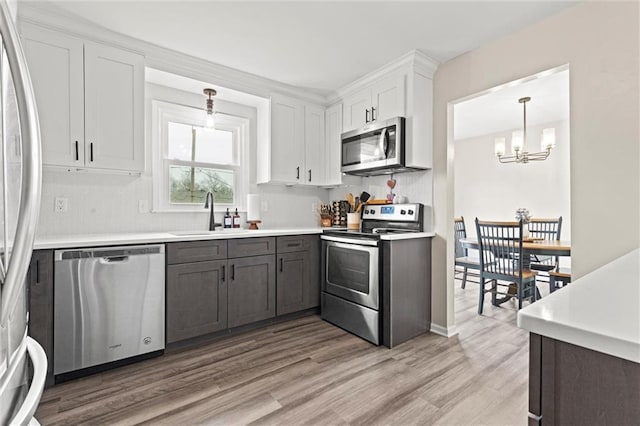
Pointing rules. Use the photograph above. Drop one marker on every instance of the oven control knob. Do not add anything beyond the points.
(366, 212)
(411, 212)
(372, 211)
(403, 212)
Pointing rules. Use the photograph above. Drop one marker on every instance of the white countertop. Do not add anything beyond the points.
(600, 311)
(407, 236)
(97, 240)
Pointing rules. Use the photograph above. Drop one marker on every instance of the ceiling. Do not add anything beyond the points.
(320, 46)
(499, 110)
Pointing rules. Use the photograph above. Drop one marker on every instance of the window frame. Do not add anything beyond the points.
(164, 112)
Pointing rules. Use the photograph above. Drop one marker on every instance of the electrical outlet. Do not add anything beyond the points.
(143, 206)
(314, 207)
(265, 206)
(61, 205)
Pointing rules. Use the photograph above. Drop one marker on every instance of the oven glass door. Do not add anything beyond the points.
(376, 148)
(351, 272)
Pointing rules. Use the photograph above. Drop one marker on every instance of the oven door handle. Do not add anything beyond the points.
(352, 241)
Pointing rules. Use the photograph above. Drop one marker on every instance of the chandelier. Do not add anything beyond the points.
(519, 141)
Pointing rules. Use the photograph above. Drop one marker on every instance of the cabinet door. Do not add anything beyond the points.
(314, 145)
(40, 282)
(313, 287)
(196, 251)
(252, 289)
(292, 282)
(56, 68)
(388, 97)
(114, 108)
(196, 299)
(333, 145)
(357, 110)
(287, 140)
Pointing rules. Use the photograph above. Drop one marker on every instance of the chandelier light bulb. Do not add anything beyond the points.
(517, 141)
(548, 140)
(500, 146)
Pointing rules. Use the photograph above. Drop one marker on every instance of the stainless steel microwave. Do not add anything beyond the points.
(375, 149)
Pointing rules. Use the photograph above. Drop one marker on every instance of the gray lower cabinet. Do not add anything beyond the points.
(196, 299)
(252, 289)
(574, 385)
(221, 284)
(298, 276)
(292, 278)
(40, 285)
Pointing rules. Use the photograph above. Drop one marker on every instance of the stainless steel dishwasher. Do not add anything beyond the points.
(108, 305)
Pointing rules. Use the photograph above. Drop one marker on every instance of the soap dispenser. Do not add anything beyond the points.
(236, 219)
(227, 219)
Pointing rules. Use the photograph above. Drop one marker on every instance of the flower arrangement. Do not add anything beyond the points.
(523, 214)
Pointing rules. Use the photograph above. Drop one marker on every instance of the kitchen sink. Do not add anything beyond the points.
(201, 233)
(193, 233)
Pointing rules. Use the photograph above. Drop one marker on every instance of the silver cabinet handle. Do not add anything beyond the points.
(309, 175)
(373, 117)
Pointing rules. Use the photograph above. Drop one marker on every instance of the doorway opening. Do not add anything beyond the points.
(486, 188)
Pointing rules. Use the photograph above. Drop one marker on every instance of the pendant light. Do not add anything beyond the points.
(210, 113)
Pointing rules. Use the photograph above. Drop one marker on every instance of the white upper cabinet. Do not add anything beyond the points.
(114, 102)
(403, 88)
(333, 144)
(287, 140)
(90, 100)
(296, 146)
(314, 145)
(56, 67)
(378, 101)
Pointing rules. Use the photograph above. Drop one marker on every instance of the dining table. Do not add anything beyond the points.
(533, 246)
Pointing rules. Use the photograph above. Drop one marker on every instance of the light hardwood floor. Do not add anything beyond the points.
(307, 371)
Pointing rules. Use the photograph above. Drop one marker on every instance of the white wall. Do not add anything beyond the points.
(599, 41)
(101, 203)
(490, 190)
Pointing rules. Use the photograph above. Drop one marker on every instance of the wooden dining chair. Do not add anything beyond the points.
(500, 245)
(463, 262)
(547, 229)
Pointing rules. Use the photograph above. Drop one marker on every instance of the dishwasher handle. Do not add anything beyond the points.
(110, 254)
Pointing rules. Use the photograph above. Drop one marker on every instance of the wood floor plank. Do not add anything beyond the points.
(309, 372)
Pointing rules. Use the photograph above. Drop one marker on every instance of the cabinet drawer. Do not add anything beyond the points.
(243, 247)
(196, 251)
(295, 243)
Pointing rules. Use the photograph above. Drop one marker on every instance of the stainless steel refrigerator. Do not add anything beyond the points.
(23, 363)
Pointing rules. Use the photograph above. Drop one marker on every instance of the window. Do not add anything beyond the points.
(192, 160)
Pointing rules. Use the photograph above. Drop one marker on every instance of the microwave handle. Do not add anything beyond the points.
(382, 143)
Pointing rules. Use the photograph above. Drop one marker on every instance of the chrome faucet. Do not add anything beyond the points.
(212, 221)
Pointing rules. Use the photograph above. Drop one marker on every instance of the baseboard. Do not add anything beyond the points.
(444, 331)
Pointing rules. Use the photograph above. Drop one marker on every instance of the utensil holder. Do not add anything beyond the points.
(353, 220)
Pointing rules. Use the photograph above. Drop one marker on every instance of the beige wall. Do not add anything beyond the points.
(600, 43)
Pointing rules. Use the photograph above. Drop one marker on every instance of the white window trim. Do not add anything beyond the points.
(162, 112)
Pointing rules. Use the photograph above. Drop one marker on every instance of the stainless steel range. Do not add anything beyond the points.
(376, 282)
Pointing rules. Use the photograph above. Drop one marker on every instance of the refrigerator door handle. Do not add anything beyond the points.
(18, 264)
(31, 401)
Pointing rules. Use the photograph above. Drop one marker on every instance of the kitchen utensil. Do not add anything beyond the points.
(351, 201)
(377, 202)
(364, 197)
